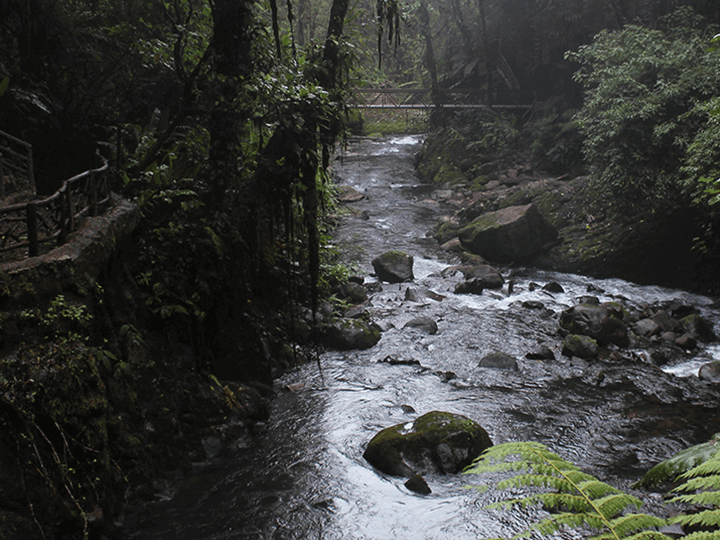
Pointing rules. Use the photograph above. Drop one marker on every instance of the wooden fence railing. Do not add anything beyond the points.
(16, 156)
(35, 222)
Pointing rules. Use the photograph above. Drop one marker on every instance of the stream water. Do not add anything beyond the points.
(303, 475)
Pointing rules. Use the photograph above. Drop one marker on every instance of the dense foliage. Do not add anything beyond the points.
(646, 94)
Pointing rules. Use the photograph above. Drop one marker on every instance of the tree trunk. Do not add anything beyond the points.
(429, 54)
(231, 46)
(489, 55)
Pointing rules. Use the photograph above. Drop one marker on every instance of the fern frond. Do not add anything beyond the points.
(702, 483)
(586, 501)
(710, 467)
(539, 479)
(706, 518)
(612, 505)
(567, 520)
(682, 462)
(703, 535)
(648, 535)
(627, 524)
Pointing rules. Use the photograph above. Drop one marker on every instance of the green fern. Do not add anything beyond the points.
(701, 487)
(579, 499)
(682, 462)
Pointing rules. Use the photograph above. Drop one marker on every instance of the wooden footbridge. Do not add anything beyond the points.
(39, 221)
(421, 99)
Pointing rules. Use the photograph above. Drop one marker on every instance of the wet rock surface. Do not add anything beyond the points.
(435, 442)
(513, 234)
(394, 267)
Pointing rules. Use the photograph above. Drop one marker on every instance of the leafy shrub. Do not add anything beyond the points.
(642, 87)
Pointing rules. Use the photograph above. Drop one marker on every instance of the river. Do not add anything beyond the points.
(302, 475)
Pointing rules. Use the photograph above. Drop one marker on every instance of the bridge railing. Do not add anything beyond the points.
(30, 224)
(16, 157)
(421, 98)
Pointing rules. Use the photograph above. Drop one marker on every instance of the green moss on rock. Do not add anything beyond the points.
(437, 441)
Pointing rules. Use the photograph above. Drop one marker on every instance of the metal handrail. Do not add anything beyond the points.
(419, 98)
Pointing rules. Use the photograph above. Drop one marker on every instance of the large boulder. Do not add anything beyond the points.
(394, 267)
(601, 322)
(436, 442)
(512, 234)
(350, 334)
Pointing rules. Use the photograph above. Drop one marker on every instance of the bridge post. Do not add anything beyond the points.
(31, 170)
(64, 218)
(32, 229)
(2, 177)
(93, 196)
(71, 208)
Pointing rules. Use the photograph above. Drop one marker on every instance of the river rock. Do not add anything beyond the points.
(710, 372)
(665, 321)
(543, 352)
(436, 442)
(471, 286)
(348, 334)
(394, 267)
(349, 194)
(426, 324)
(512, 234)
(418, 484)
(601, 323)
(453, 246)
(484, 275)
(553, 287)
(353, 292)
(499, 360)
(686, 341)
(580, 346)
(646, 328)
(695, 324)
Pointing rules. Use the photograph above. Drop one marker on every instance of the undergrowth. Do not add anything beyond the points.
(579, 501)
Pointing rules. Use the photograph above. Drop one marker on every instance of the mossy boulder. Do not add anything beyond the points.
(436, 442)
(513, 234)
(394, 267)
(695, 324)
(580, 346)
(350, 334)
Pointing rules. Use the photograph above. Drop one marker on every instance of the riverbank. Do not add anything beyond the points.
(597, 237)
(102, 400)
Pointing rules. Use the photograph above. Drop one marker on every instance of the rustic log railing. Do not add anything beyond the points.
(16, 156)
(36, 222)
